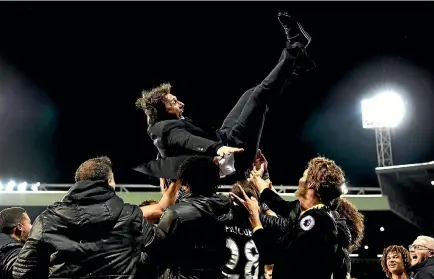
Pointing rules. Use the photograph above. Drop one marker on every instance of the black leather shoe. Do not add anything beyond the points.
(295, 33)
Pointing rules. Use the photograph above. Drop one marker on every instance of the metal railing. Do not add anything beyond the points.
(224, 188)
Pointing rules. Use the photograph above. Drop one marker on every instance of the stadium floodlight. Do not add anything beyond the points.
(10, 186)
(383, 112)
(22, 187)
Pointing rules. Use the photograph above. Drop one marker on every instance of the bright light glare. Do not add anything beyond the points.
(344, 189)
(382, 229)
(383, 110)
(22, 187)
(10, 186)
(366, 247)
(35, 187)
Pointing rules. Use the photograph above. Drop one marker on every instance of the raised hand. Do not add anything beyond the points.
(252, 206)
(227, 150)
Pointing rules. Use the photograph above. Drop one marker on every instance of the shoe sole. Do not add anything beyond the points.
(306, 35)
(304, 32)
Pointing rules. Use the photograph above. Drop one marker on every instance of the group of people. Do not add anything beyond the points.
(194, 232)
(417, 262)
(92, 233)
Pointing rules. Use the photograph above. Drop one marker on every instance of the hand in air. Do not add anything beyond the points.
(260, 162)
(227, 150)
(252, 206)
(173, 187)
(258, 171)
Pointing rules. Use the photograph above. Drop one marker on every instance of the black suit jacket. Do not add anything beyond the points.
(177, 140)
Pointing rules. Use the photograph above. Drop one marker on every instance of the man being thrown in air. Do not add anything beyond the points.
(178, 138)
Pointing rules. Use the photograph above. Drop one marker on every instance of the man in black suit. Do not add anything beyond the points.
(178, 138)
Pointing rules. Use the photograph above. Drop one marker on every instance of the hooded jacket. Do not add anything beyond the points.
(9, 249)
(90, 233)
(192, 238)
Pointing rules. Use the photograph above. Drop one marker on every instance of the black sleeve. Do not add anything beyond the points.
(158, 239)
(276, 224)
(33, 259)
(9, 260)
(276, 203)
(181, 138)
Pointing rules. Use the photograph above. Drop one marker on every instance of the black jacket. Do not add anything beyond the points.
(424, 270)
(314, 234)
(9, 249)
(91, 232)
(319, 231)
(192, 238)
(176, 140)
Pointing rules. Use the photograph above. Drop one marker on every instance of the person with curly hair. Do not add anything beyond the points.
(318, 229)
(177, 137)
(347, 213)
(396, 262)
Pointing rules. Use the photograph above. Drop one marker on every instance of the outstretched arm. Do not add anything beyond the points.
(180, 138)
(272, 199)
(153, 212)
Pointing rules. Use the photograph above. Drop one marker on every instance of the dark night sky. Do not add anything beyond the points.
(71, 72)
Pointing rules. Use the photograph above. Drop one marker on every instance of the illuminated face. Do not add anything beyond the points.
(395, 263)
(173, 106)
(24, 228)
(302, 186)
(419, 251)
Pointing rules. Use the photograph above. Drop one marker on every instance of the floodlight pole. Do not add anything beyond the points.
(384, 146)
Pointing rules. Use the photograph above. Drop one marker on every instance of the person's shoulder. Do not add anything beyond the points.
(131, 211)
(315, 217)
(184, 211)
(167, 123)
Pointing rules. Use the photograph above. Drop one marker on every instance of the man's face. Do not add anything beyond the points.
(302, 186)
(268, 274)
(173, 106)
(23, 228)
(419, 251)
(111, 180)
(395, 264)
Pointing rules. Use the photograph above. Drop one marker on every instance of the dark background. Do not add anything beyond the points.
(71, 72)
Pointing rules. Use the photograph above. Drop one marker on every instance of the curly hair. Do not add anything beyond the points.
(326, 178)
(152, 103)
(354, 220)
(400, 250)
(201, 174)
(99, 168)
